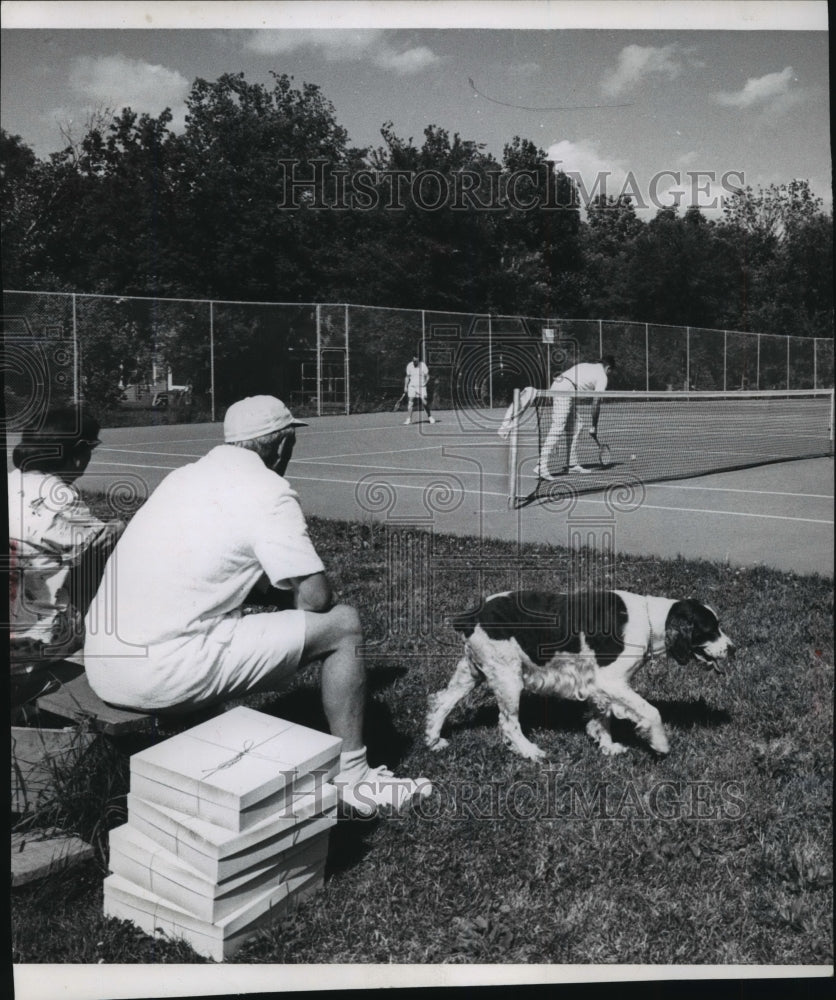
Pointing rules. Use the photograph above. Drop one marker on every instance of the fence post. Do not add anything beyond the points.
(318, 363)
(75, 355)
(347, 371)
(212, 357)
(688, 357)
(758, 364)
(725, 357)
(600, 338)
(490, 362)
(815, 359)
(788, 362)
(647, 357)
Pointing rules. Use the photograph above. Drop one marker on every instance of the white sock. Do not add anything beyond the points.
(353, 762)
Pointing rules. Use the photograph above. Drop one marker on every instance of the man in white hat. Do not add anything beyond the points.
(166, 632)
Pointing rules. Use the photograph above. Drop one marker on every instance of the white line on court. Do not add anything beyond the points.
(485, 474)
(361, 454)
(215, 439)
(167, 454)
(731, 489)
(405, 469)
(133, 465)
(589, 500)
(504, 475)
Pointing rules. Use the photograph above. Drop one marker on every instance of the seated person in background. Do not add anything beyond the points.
(175, 639)
(58, 548)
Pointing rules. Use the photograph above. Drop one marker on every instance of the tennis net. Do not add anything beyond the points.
(656, 436)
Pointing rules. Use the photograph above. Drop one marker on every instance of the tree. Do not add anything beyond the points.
(608, 240)
(34, 197)
(253, 227)
(539, 230)
(783, 244)
(441, 253)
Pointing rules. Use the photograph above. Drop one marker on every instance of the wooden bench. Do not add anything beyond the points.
(76, 700)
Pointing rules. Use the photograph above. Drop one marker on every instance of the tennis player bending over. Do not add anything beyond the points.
(209, 534)
(566, 420)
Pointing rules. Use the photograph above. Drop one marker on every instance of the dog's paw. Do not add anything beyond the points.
(439, 744)
(529, 750)
(659, 742)
(613, 749)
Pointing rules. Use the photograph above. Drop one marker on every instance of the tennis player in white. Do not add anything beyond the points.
(566, 420)
(415, 387)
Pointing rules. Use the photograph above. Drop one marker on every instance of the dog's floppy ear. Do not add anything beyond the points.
(678, 631)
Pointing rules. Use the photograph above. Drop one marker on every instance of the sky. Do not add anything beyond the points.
(699, 99)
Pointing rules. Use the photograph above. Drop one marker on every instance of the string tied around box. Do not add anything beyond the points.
(247, 747)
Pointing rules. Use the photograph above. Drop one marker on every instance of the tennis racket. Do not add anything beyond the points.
(397, 405)
(604, 452)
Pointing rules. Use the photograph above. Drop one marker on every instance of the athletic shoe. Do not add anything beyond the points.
(379, 791)
(408, 420)
(580, 470)
(432, 420)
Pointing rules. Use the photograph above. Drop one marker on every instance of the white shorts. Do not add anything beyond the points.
(416, 394)
(236, 655)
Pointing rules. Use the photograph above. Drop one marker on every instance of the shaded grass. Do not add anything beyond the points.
(718, 853)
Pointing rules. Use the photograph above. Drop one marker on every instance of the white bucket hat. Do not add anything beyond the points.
(256, 416)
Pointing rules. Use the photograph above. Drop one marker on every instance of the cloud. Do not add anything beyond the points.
(758, 90)
(635, 62)
(117, 82)
(583, 160)
(344, 45)
(334, 45)
(406, 62)
(526, 69)
(679, 186)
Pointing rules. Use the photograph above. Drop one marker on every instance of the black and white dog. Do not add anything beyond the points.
(584, 646)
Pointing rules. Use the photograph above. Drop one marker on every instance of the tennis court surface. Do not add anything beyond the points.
(452, 477)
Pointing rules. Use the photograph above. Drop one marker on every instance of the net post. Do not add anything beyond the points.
(513, 450)
(832, 396)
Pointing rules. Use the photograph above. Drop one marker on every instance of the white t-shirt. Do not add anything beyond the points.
(586, 377)
(417, 377)
(50, 528)
(197, 547)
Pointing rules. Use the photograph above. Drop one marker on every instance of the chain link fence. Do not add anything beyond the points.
(186, 359)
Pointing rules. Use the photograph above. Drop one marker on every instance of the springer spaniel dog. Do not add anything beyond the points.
(584, 646)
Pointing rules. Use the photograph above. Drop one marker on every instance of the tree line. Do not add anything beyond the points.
(262, 198)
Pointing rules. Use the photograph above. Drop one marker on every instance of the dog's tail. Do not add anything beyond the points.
(466, 621)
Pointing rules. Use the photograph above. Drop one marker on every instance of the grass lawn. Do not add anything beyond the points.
(718, 853)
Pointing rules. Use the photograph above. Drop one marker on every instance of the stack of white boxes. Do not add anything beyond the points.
(228, 827)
